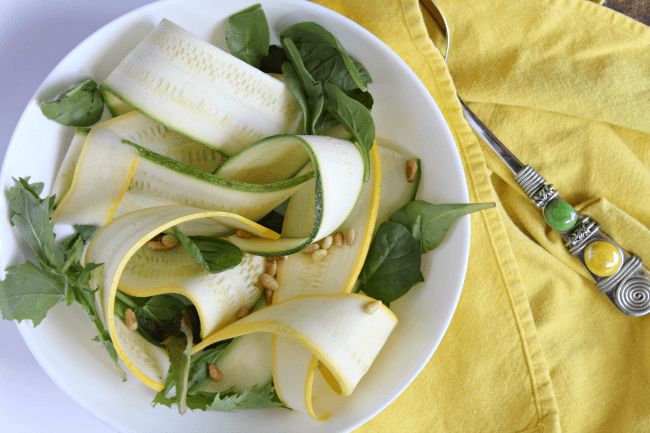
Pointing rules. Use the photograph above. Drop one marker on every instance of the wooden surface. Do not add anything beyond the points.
(637, 9)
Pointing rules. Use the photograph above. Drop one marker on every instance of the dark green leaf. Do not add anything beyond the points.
(199, 374)
(28, 292)
(392, 266)
(355, 118)
(272, 64)
(179, 347)
(247, 35)
(81, 104)
(213, 254)
(292, 80)
(436, 219)
(325, 58)
(31, 216)
(254, 398)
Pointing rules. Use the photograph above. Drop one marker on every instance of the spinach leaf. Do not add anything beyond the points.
(29, 291)
(272, 63)
(392, 266)
(355, 118)
(436, 219)
(213, 254)
(292, 80)
(247, 35)
(81, 104)
(325, 58)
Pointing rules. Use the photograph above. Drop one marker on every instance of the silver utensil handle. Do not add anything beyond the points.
(618, 274)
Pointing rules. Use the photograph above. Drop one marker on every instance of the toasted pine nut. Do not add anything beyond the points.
(411, 170)
(349, 237)
(244, 234)
(281, 259)
(130, 319)
(339, 239)
(319, 255)
(272, 268)
(242, 312)
(269, 282)
(311, 248)
(327, 242)
(269, 297)
(170, 241)
(248, 255)
(215, 373)
(372, 307)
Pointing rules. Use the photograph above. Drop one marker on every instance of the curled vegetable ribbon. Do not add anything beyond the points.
(325, 326)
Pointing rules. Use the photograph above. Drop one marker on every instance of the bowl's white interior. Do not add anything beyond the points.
(406, 117)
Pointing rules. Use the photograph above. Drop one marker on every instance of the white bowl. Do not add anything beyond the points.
(406, 116)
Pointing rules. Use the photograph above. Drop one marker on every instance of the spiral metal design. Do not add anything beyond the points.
(633, 296)
(530, 181)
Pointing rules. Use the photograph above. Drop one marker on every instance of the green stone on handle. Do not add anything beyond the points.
(560, 215)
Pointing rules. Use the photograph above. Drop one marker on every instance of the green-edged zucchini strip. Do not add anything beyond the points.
(323, 204)
(296, 374)
(193, 87)
(114, 176)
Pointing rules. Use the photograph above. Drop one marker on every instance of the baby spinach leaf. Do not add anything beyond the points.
(213, 254)
(436, 219)
(272, 63)
(247, 35)
(292, 80)
(81, 104)
(392, 265)
(324, 56)
(355, 118)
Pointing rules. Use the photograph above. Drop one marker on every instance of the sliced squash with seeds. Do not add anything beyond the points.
(193, 87)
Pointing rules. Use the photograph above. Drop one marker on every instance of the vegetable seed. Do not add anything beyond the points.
(215, 373)
(269, 282)
(311, 248)
(130, 319)
(411, 170)
(349, 237)
(272, 268)
(339, 239)
(327, 242)
(244, 234)
(372, 307)
(319, 255)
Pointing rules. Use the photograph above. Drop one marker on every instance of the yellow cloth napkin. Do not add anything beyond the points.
(533, 346)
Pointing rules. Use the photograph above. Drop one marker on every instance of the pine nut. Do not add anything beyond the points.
(242, 312)
(327, 242)
(311, 248)
(215, 373)
(319, 255)
(281, 259)
(269, 297)
(244, 234)
(170, 241)
(272, 268)
(269, 282)
(339, 239)
(130, 319)
(349, 237)
(248, 255)
(372, 307)
(411, 170)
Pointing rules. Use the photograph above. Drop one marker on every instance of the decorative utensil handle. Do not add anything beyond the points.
(618, 274)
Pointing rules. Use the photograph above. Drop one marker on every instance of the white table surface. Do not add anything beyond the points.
(34, 37)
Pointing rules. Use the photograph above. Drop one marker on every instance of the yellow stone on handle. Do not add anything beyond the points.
(603, 258)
